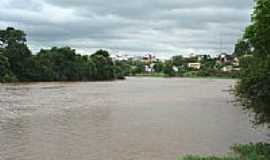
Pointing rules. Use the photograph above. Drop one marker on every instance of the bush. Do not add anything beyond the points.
(254, 87)
(5, 72)
(260, 151)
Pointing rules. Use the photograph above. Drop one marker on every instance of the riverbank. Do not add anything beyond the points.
(162, 75)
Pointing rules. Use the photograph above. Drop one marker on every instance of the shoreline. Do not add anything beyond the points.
(136, 76)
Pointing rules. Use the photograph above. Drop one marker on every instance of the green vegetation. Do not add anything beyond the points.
(17, 63)
(253, 89)
(259, 151)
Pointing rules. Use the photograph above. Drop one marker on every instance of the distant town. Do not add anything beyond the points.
(192, 65)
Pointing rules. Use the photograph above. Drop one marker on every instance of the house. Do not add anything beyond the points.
(149, 68)
(236, 62)
(224, 58)
(119, 57)
(196, 66)
(203, 57)
(149, 58)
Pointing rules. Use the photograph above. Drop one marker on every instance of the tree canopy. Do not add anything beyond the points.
(55, 64)
(254, 86)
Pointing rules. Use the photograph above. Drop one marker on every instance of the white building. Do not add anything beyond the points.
(194, 65)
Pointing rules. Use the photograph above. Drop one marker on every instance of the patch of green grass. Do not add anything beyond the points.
(260, 151)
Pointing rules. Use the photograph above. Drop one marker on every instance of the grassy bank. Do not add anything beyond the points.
(260, 151)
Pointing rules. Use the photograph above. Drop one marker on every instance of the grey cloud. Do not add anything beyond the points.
(159, 26)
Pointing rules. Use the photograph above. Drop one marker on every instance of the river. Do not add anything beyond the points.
(134, 119)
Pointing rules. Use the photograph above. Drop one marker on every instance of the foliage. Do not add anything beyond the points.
(5, 73)
(178, 60)
(242, 48)
(257, 34)
(136, 67)
(104, 65)
(11, 36)
(168, 68)
(260, 151)
(122, 69)
(55, 64)
(62, 64)
(254, 86)
(12, 42)
(158, 67)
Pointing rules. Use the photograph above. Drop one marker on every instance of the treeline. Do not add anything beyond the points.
(254, 48)
(17, 63)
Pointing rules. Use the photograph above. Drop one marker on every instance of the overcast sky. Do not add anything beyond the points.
(161, 27)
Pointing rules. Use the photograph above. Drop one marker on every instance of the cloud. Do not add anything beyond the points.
(162, 27)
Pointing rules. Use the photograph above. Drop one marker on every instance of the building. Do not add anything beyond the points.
(236, 62)
(119, 57)
(196, 66)
(224, 58)
(149, 58)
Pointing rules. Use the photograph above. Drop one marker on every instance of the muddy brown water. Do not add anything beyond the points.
(135, 119)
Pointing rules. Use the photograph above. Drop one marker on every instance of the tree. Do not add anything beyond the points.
(104, 65)
(121, 69)
(254, 86)
(63, 64)
(158, 67)
(11, 36)
(178, 60)
(19, 57)
(242, 48)
(12, 41)
(55, 64)
(168, 68)
(137, 67)
(257, 34)
(5, 73)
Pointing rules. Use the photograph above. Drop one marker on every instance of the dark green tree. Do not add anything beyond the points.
(5, 73)
(121, 69)
(257, 34)
(12, 42)
(168, 68)
(254, 86)
(137, 67)
(104, 65)
(158, 67)
(242, 48)
(178, 60)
